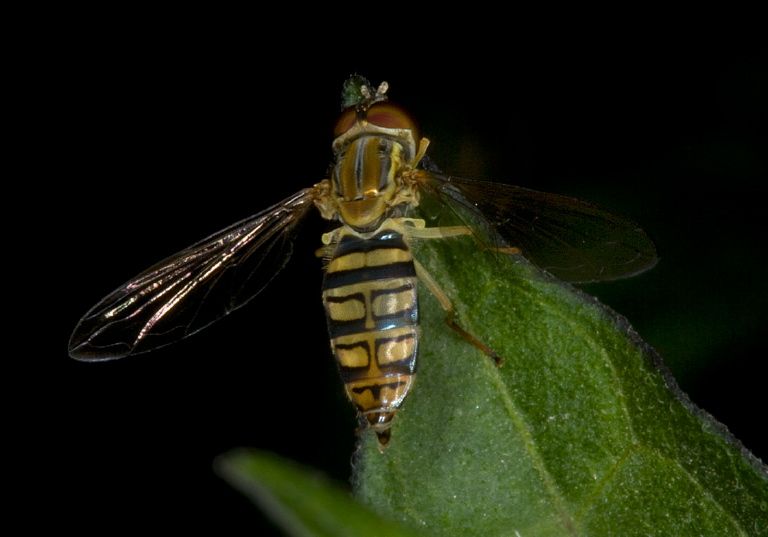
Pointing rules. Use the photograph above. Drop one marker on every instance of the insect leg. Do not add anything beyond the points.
(419, 231)
(438, 232)
(445, 302)
(325, 251)
(509, 250)
(330, 240)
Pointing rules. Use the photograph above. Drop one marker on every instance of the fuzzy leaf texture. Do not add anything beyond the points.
(581, 432)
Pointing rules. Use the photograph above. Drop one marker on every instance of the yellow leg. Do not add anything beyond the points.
(510, 250)
(439, 232)
(420, 231)
(446, 304)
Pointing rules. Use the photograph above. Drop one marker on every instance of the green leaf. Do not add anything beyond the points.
(302, 502)
(581, 432)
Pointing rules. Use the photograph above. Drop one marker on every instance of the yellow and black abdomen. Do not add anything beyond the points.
(371, 304)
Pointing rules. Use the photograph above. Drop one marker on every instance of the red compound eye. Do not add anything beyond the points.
(345, 122)
(382, 114)
(390, 116)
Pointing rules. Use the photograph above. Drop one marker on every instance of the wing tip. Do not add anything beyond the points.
(85, 352)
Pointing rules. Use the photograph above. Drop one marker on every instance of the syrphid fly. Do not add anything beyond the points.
(379, 178)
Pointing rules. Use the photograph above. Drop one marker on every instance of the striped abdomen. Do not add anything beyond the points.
(372, 309)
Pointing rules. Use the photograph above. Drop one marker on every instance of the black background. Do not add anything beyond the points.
(157, 134)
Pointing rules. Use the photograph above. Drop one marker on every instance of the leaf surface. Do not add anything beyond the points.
(302, 502)
(581, 432)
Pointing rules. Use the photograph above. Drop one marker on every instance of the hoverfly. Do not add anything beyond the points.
(369, 289)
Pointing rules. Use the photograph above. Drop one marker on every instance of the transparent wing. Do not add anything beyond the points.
(191, 289)
(571, 239)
